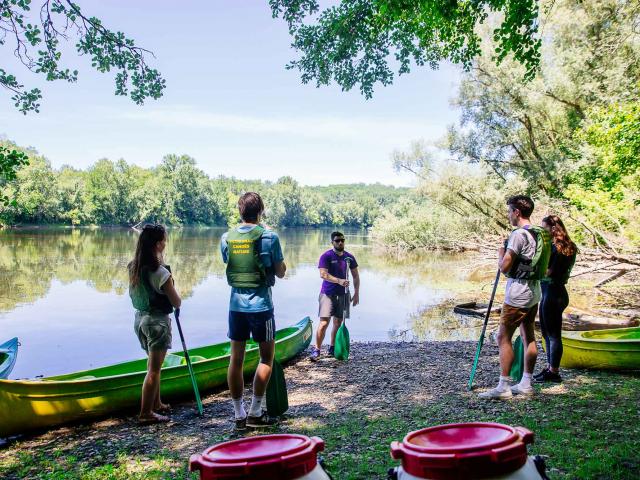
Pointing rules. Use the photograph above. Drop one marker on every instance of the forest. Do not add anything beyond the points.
(176, 192)
(570, 138)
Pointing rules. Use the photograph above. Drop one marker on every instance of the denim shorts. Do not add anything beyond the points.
(261, 326)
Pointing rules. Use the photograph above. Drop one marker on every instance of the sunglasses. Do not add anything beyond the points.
(339, 240)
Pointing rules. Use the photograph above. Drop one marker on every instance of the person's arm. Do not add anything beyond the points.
(169, 290)
(280, 268)
(506, 259)
(275, 255)
(552, 262)
(508, 254)
(325, 275)
(356, 286)
(224, 248)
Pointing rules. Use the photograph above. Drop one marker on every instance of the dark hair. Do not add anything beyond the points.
(250, 205)
(145, 255)
(522, 203)
(560, 236)
(336, 234)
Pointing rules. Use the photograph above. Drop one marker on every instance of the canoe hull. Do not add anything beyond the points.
(615, 349)
(8, 356)
(29, 405)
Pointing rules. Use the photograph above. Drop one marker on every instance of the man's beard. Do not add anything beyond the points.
(340, 248)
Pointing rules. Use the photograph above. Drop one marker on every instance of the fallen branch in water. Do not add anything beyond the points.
(611, 278)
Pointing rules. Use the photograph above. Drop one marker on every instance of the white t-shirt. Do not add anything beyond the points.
(522, 293)
(158, 278)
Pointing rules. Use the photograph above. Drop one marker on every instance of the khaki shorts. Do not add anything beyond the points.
(333, 305)
(514, 316)
(153, 331)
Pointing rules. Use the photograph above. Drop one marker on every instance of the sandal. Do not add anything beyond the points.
(155, 418)
(164, 408)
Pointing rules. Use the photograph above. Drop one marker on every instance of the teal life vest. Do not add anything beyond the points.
(244, 267)
(145, 299)
(536, 267)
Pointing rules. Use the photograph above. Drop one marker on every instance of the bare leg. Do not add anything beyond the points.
(263, 372)
(529, 343)
(151, 385)
(235, 379)
(334, 330)
(322, 329)
(505, 334)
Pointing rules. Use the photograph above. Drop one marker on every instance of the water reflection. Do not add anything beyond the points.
(64, 292)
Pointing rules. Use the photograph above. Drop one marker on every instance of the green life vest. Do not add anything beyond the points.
(536, 267)
(145, 299)
(244, 268)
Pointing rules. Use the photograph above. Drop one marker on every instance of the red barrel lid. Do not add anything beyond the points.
(267, 457)
(463, 451)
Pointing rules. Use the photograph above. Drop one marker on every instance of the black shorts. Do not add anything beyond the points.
(261, 326)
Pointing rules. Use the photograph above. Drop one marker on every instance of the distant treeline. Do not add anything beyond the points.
(177, 192)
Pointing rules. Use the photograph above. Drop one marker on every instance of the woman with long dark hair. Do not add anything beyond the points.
(154, 297)
(555, 297)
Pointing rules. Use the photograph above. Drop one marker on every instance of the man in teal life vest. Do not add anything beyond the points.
(524, 261)
(254, 258)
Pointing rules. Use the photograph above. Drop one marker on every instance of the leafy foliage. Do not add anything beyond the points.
(37, 47)
(10, 160)
(351, 42)
(175, 192)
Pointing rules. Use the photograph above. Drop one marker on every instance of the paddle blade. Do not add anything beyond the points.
(341, 348)
(517, 368)
(277, 397)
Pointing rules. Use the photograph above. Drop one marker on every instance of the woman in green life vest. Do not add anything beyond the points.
(154, 297)
(554, 295)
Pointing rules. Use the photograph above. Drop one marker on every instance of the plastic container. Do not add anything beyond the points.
(465, 451)
(266, 457)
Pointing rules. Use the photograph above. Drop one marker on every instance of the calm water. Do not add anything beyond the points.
(64, 293)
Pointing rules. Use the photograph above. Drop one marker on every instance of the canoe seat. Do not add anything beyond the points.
(194, 359)
(172, 360)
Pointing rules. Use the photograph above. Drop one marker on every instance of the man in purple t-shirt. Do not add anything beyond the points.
(334, 295)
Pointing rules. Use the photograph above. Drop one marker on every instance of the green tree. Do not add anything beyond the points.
(37, 47)
(352, 42)
(10, 160)
(591, 59)
(108, 193)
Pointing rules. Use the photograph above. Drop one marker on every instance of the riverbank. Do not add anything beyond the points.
(587, 427)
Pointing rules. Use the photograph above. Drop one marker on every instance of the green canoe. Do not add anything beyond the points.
(32, 404)
(616, 349)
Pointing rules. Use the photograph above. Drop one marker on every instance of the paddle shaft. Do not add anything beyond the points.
(484, 329)
(186, 357)
(345, 305)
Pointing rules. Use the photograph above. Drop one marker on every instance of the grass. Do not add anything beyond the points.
(587, 428)
(590, 432)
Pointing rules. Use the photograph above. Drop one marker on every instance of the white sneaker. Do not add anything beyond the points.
(524, 391)
(496, 394)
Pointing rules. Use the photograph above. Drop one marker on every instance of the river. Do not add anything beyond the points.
(64, 292)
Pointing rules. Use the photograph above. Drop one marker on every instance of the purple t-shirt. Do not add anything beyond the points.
(336, 265)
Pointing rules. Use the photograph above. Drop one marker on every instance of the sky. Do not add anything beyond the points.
(229, 102)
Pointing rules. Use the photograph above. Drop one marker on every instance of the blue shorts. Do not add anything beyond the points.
(261, 326)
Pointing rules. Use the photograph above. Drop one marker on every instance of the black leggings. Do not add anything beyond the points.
(554, 300)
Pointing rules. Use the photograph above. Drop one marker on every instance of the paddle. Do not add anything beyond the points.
(484, 328)
(186, 357)
(341, 348)
(517, 368)
(277, 397)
